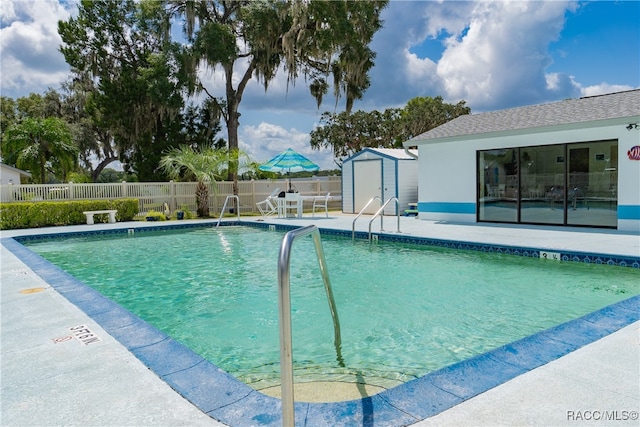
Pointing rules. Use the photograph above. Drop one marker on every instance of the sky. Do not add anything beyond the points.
(491, 54)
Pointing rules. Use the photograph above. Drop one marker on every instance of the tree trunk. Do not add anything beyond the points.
(202, 199)
(43, 172)
(232, 132)
(234, 96)
(103, 164)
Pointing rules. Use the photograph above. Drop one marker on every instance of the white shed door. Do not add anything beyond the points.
(367, 183)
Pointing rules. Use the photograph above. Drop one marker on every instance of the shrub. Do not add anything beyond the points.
(155, 216)
(44, 214)
(187, 213)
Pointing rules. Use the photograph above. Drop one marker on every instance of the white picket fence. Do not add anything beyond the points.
(178, 195)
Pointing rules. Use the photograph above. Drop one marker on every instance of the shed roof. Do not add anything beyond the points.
(397, 153)
(567, 112)
(390, 153)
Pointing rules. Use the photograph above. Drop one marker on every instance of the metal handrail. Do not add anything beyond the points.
(353, 224)
(284, 302)
(381, 210)
(231, 196)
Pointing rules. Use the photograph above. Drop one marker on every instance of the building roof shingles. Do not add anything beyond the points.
(569, 111)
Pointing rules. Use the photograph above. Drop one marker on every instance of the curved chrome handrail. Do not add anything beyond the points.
(382, 210)
(284, 303)
(224, 207)
(353, 224)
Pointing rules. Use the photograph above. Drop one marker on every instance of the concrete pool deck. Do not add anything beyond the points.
(49, 377)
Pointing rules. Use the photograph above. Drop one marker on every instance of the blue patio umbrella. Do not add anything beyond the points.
(289, 161)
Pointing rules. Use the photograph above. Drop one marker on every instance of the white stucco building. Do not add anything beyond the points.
(575, 163)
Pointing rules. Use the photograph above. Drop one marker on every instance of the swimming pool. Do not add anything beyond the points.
(405, 310)
(165, 254)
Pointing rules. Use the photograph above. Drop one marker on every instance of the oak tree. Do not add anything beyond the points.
(323, 41)
(136, 87)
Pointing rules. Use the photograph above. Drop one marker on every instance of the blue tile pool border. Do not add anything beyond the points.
(232, 402)
(570, 256)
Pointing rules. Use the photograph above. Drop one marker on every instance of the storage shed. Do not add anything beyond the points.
(382, 172)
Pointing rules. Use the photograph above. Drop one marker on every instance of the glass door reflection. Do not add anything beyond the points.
(542, 184)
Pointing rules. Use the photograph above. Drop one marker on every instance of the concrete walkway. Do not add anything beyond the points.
(59, 367)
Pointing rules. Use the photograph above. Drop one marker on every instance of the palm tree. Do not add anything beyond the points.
(204, 166)
(41, 145)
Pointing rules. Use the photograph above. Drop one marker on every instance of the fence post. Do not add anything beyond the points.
(12, 195)
(173, 204)
(124, 189)
(71, 195)
(253, 194)
(213, 195)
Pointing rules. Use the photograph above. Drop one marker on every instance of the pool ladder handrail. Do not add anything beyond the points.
(284, 303)
(353, 224)
(381, 210)
(224, 207)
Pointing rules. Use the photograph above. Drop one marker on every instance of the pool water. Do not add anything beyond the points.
(405, 310)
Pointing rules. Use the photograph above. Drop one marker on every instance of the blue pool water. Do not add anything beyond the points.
(405, 310)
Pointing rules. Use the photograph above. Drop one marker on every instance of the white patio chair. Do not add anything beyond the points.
(292, 202)
(319, 202)
(269, 206)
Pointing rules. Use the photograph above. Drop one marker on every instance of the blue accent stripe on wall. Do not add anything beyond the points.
(447, 207)
(629, 212)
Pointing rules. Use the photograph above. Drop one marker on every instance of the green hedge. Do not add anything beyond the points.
(44, 214)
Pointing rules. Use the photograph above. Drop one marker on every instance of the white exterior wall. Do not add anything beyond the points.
(9, 176)
(448, 169)
(347, 187)
(445, 171)
(407, 183)
(389, 183)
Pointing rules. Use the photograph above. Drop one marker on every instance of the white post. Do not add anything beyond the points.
(253, 195)
(173, 205)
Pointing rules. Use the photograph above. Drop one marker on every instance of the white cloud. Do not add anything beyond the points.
(561, 84)
(398, 74)
(7, 13)
(603, 88)
(493, 54)
(29, 43)
(421, 70)
(502, 56)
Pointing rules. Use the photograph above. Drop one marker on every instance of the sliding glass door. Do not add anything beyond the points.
(562, 184)
(592, 194)
(498, 185)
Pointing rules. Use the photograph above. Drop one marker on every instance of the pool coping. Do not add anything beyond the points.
(232, 402)
(525, 251)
